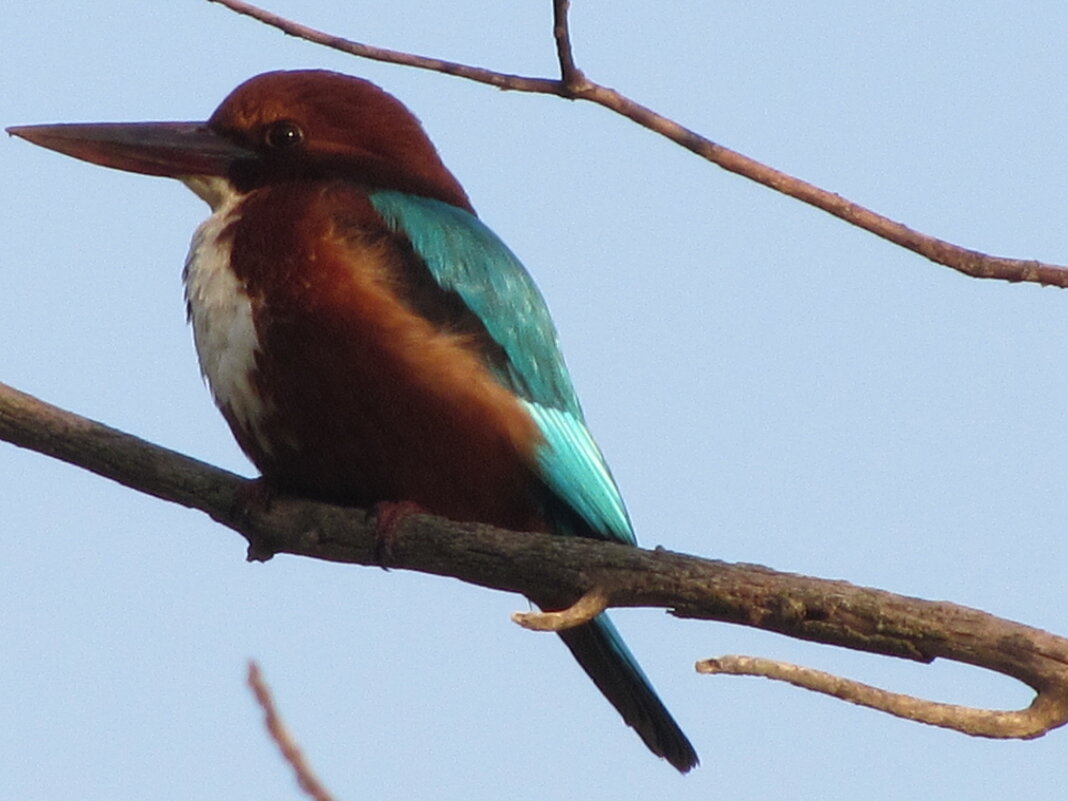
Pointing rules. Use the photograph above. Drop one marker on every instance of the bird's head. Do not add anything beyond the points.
(276, 127)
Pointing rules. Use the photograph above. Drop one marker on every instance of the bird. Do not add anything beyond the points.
(369, 340)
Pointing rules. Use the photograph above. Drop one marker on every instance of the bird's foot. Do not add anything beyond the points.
(252, 499)
(389, 515)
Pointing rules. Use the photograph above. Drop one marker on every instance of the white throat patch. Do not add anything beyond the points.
(220, 313)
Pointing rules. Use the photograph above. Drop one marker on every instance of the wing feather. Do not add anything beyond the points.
(465, 257)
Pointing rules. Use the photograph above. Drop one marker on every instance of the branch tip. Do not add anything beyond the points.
(582, 611)
(1048, 710)
(283, 739)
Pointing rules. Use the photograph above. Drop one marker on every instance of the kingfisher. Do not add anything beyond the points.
(369, 340)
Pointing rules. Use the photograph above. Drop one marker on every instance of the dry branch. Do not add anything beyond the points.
(563, 570)
(288, 747)
(574, 85)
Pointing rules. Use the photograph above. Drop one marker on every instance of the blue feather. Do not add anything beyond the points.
(466, 257)
(574, 468)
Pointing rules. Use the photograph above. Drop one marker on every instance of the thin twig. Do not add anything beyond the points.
(570, 75)
(501, 80)
(1028, 723)
(576, 86)
(291, 752)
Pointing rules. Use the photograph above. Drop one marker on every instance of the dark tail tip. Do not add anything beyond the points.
(604, 656)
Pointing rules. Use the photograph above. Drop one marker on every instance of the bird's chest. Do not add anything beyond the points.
(293, 339)
(221, 314)
(332, 382)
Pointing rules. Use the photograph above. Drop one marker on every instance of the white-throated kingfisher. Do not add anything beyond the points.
(368, 339)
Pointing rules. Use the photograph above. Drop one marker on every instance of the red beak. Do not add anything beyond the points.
(171, 149)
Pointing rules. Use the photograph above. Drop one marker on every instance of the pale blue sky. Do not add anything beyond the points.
(769, 385)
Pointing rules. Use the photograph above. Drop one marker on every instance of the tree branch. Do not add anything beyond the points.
(561, 570)
(574, 85)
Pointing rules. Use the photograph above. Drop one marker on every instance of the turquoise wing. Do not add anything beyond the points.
(466, 257)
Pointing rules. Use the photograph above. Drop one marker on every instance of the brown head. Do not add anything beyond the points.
(275, 127)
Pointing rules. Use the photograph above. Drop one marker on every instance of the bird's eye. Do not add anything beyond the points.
(283, 134)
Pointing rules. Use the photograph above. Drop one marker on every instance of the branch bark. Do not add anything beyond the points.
(564, 570)
(575, 85)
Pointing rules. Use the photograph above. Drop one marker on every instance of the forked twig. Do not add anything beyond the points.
(570, 75)
(574, 85)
